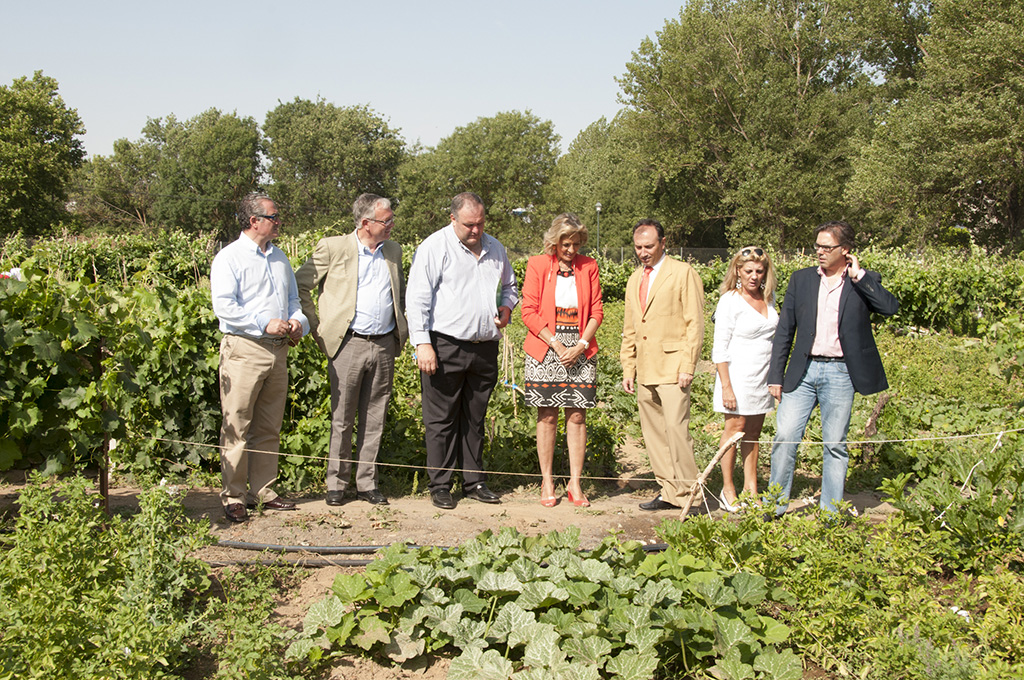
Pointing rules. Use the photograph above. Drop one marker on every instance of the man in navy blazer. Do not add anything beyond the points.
(828, 309)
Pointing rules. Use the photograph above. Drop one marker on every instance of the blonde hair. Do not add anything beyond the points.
(744, 256)
(565, 225)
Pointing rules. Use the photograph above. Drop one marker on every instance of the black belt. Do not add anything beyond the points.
(363, 336)
(271, 341)
(813, 357)
(449, 338)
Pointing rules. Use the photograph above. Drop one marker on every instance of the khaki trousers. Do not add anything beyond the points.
(253, 389)
(665, 422)
(361, 374)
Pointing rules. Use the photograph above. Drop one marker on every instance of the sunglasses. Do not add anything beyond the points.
(747, 252)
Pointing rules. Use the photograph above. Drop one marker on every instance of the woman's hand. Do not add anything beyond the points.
(568, 355)
(728, 398)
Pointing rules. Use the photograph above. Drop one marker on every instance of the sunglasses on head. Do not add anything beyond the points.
(747, 252)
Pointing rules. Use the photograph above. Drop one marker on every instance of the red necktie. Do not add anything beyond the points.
(643, 287)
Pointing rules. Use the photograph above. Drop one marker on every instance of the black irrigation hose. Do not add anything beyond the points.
(351, 549)
(301, 562)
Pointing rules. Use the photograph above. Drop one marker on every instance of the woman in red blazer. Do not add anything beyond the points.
(562, 309)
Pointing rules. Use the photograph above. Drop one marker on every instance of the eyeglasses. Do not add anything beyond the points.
(747, 252)
(276, 217)
(823, 248)
(386, 223)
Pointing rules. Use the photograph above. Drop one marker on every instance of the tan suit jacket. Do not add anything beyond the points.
(334, 271)
(665, 339)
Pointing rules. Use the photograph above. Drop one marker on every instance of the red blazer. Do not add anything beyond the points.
(538, 304)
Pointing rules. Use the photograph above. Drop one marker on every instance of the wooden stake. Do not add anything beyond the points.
(685, 507)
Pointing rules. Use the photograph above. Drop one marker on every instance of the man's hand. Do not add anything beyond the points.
(295, 329)
(775, 391)
(504, 315)
(627, 384)
(426, 358)
(279, 327)
(684, 380)
(853, 264)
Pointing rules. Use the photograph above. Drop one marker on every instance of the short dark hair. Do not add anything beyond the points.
(250, 206)
(650, 223)
(462, 199)
(841, 231)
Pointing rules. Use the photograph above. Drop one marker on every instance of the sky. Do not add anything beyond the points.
(425, 67)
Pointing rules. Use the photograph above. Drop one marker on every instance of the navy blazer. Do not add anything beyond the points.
(799, 317)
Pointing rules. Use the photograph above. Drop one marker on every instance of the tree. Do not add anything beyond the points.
(38, 154)
(951, 154)
(202, 169)
(749, 110)
(118, 190)
(322, 157)
(604, 165)
(507, 159)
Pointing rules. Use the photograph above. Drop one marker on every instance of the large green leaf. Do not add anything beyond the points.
(323, 614)
(477, 664)
(592, 649)
(784, 665)
(632, 665)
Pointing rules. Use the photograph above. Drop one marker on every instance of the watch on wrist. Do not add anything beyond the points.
(586, 345)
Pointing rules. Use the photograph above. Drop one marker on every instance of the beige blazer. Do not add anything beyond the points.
(334, 271)
(665, 339)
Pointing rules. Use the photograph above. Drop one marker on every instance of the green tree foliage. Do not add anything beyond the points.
(38, 153)
(202, 168)
(748, 110)
(118, 190)
(952, 152)
(323, 156)
(507, 159)
(604, 165)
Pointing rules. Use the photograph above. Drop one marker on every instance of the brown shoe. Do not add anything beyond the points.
(276, 504)
(236, 513)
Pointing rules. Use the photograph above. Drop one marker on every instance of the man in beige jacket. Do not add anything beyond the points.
(662, 334)
(361, 328)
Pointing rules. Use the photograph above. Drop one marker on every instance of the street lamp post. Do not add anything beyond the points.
(598, 208)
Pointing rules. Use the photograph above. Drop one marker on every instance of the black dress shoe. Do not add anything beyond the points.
(335, 498)
(481, 493)
(657, 503)
(442, 498)
(236, 513)
(373, 496)
(276, 504)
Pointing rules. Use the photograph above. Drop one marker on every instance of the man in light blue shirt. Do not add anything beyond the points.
(257, 303)
(361, 329)
(461, 294)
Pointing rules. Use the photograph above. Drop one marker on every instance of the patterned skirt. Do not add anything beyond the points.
(549, 383)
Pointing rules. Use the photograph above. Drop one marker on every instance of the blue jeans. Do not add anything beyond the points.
(827, 384)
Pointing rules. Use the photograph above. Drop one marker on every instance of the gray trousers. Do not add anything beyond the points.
(361, 374)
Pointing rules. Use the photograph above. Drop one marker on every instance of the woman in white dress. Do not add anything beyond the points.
(745, 322)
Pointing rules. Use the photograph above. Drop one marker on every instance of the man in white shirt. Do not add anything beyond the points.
(461, 294)
(256, 301)
(361, 328)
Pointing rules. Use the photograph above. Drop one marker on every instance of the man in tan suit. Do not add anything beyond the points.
(661, 339)
(361, 328)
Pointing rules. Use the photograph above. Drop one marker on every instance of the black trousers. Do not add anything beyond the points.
(455, 408)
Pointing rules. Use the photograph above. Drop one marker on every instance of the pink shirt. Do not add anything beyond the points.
(826, 332)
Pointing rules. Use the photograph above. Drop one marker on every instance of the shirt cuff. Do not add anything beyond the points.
(419, 337)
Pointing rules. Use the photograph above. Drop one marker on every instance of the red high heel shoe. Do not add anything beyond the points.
(580, 502)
